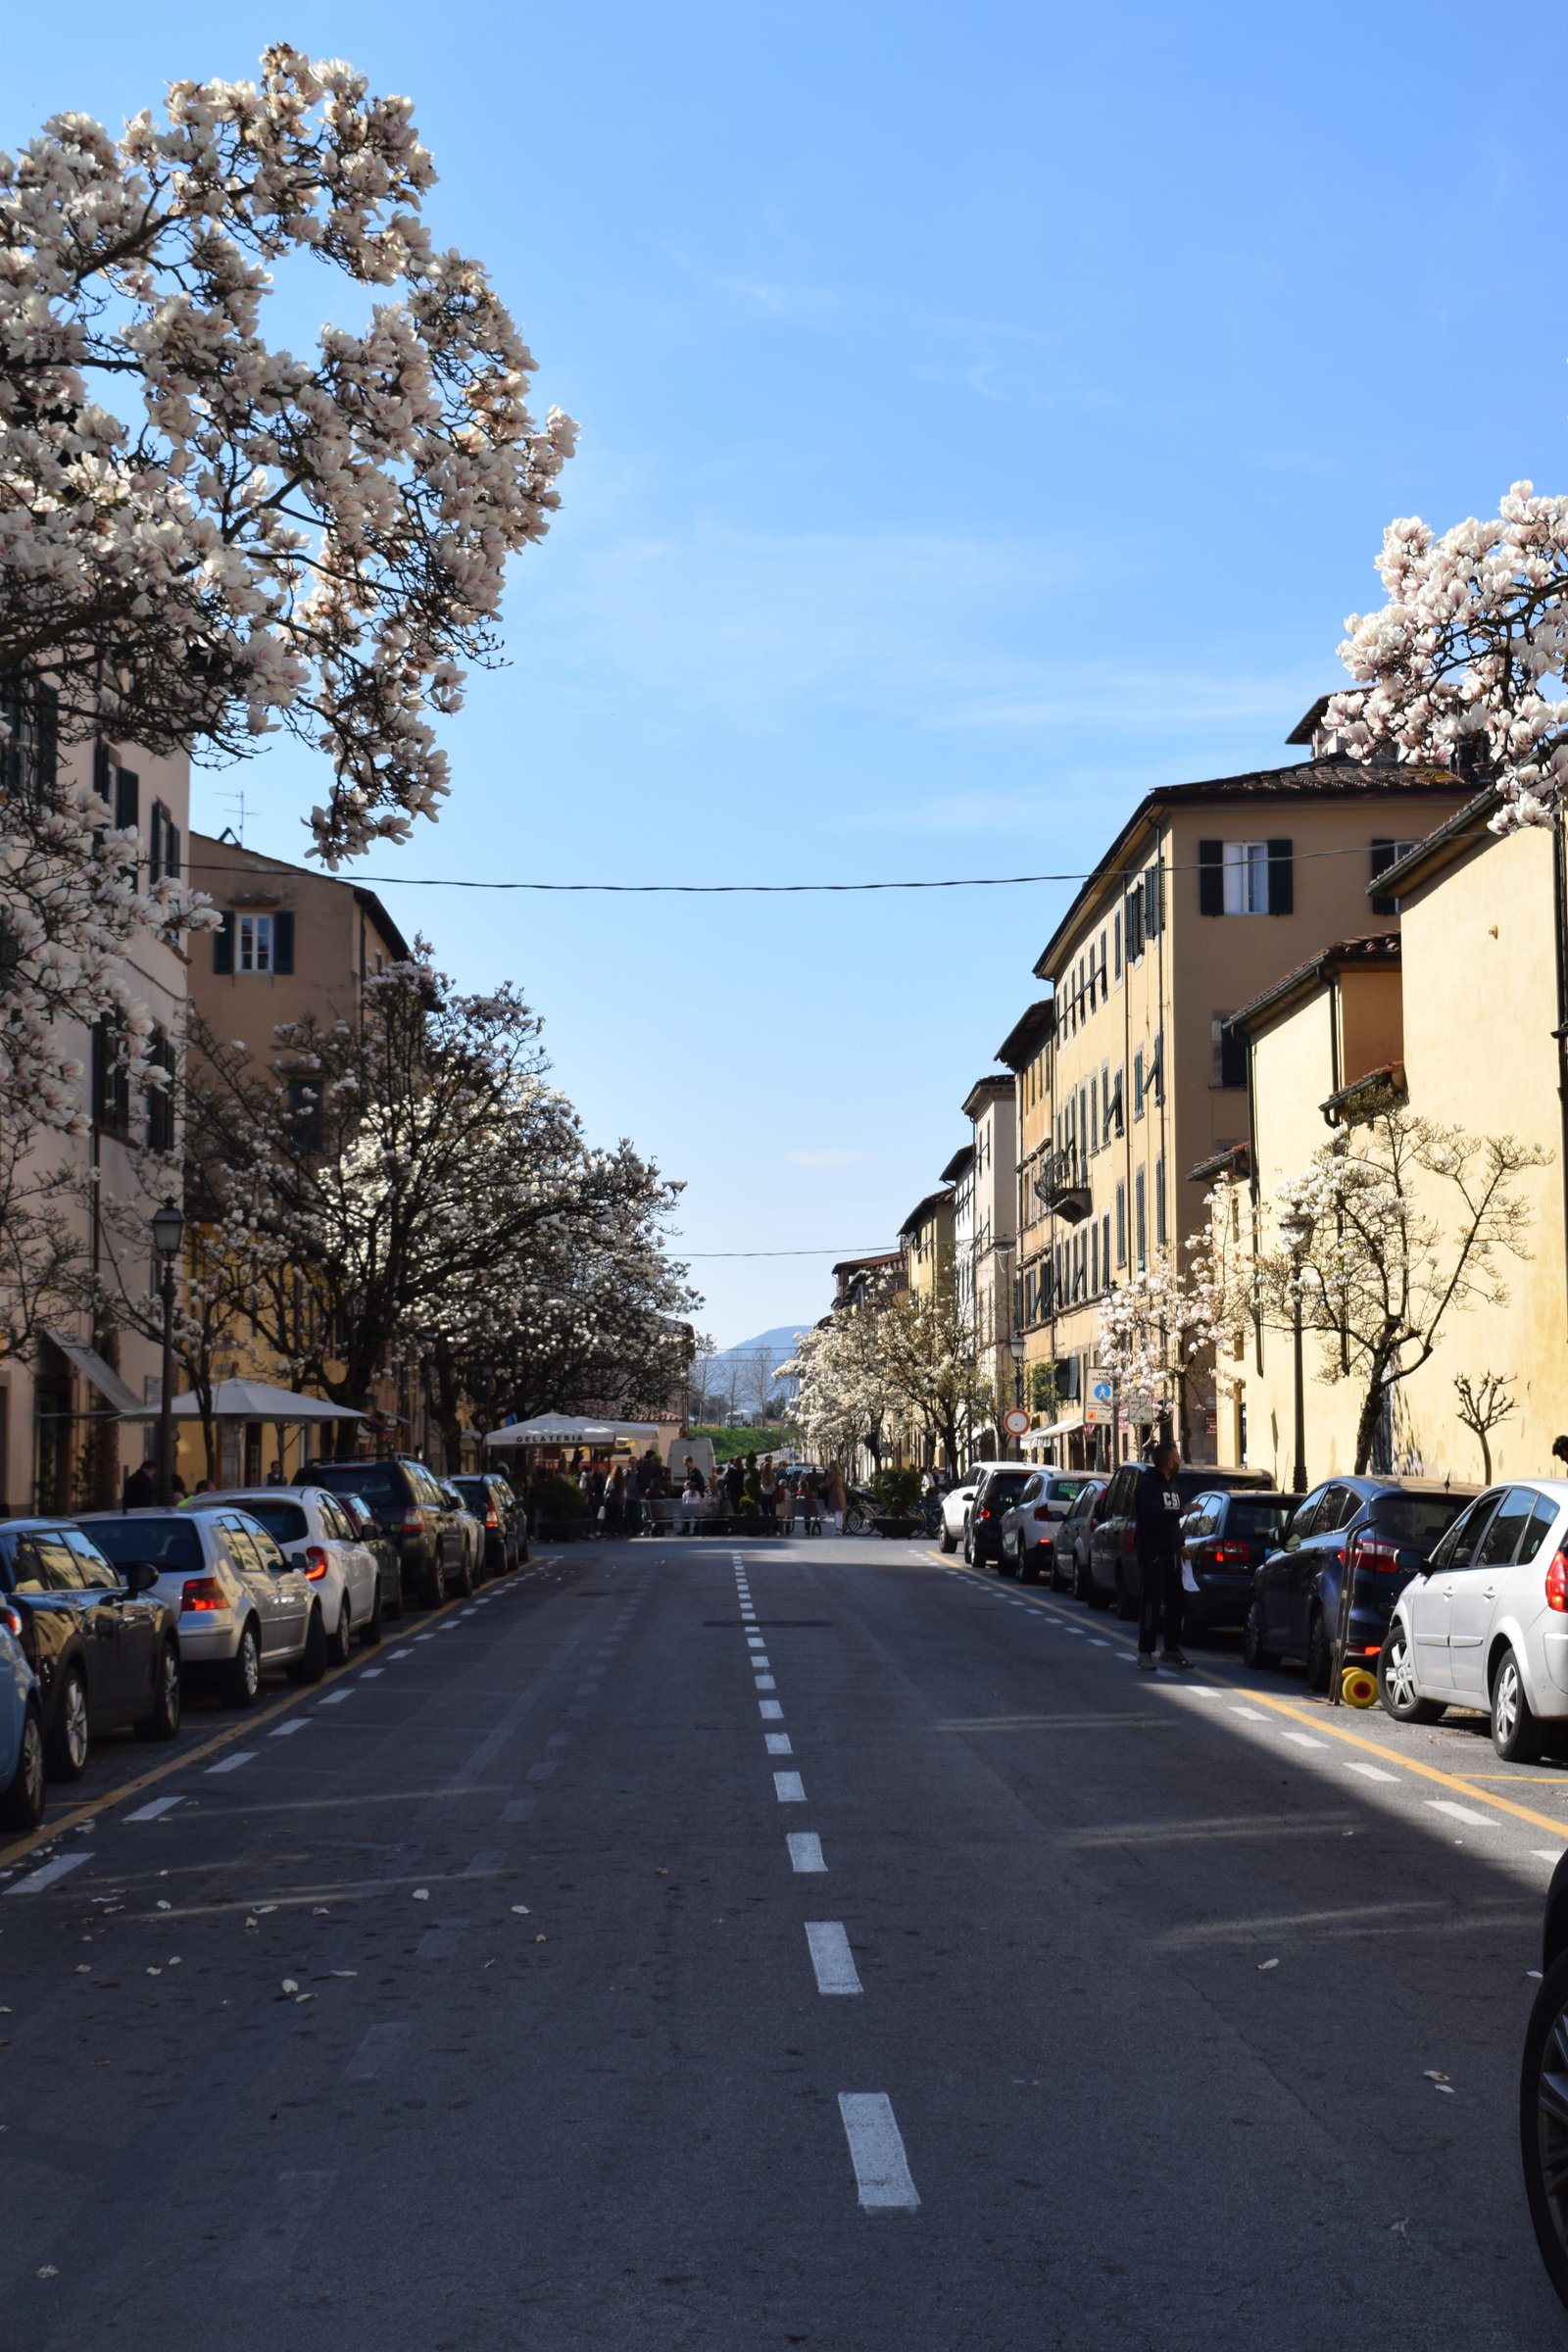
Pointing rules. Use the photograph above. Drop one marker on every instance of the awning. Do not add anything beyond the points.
(1058, 1429)
(103, 1377)
(571, 1429)
(250, 1401)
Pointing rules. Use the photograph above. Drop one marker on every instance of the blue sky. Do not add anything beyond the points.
(986, 416)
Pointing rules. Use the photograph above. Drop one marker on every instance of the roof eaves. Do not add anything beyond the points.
(1027, 1034)
(1375, 950)
(1234, 1161)
(1464, 830)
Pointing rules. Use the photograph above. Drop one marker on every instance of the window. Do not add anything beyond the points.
(1104, 986)
(1104, 1248)
(158, 1101)
(1456, 1548)
(1140, 1223)
(1137, 1083)
(253, 942)
(92, 1569)
(27, 752)
(1133, 908)
(163, 845)
(1105, 1103)
(111, 1083)
(1245, 877)
(1157, 1067)
(1121, 1224)
(1501, 1538)
(1093, 1114)
(1116, 937)
(1229, 1053)
(1116, 1108)
(1152, 901)
(1159, 1203)
(1384, 855)
(1094, 1259)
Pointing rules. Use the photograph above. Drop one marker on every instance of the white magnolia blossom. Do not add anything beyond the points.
(1152, 1326)
(1468, 651)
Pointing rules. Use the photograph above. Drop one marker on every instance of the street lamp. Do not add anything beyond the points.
(1295, 1231)
(168, 1231)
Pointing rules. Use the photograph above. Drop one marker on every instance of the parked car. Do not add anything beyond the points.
(1113, 1573)
(1384, 1527)
(472, 1525)
(103, 1645)
(23, 1774)
(1226, 1536)
(316, 1535)
(958, 1499)
(407, 1500)
(1483, 1621)
(998, 1485)
(1070, 1561)
(370, 1531)
(1032, 1522)
(501, 1515)
(241, 1609)
(1542, 2108)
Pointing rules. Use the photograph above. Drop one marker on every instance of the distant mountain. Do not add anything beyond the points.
(744, 1373)
(780, 1342)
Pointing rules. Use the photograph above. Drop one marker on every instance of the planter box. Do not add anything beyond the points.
(888, 1526)
(560, 1530)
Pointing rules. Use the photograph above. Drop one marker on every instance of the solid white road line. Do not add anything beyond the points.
(246, 1756)
(805, 1850)
(50, 1872)
(377, 2047)
(778, 1743)
(789, 1788)
(831, 1956)
(284, 1730)
(876, 2151)
(1368, 1772)
(770, 1710)
(157, 1809)
(1446, 1804)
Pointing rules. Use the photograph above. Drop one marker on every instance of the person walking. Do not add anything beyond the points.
(734, 1485)
(834, 1498)
(786, 1505)
(615, 1501)
(1157, 1541)
(767, 1495)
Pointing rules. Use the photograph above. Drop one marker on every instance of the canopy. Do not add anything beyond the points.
(250, 1401)
(1059, 1429)
(105, 1379)
(568, 1429)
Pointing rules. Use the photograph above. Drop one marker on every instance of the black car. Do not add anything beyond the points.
(501, 1516)
(103, 1648)
(1378, 1529)
(369, 1531)
(982, 1536)
(410, 1508)
(1113, 1571)
(1226, 1536)
(1543, 2109)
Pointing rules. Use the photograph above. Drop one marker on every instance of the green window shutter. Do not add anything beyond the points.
(224, 945)
(284, 941)
(1211, 877)
(127, 798)
(1281, 878)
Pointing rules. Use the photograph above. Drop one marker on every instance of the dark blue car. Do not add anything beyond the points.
(1381, 1529)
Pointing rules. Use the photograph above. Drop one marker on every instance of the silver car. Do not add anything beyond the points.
(1485, 1624)
(318, 1535)
(1032, 1521)
(241, 1607)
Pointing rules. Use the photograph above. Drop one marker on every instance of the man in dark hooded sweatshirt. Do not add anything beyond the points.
(1158, 1541)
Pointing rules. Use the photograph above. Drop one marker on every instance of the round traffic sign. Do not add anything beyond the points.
(1016, 1422)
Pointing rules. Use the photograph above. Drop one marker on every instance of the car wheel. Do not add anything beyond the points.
(1319, 1651)
(433, 1585)
(239, 1684)
(370, 1631)
(1396, 1686)
(310, 1664)
(968, 1548)
(1515, 1734)
(21, 1803)
(467, 1584)
(1029, 1565)
(338, 1647)
(1094, 1594)
(1254, 1649)
(1543, 2120)
(1079, 1585)
(164, 1721)
(397, 1605)
(1126, 1606)
(1004, 1565)
(68, 1737)
(946, 1541)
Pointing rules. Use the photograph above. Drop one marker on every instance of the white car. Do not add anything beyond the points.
(316, 1536)
(957, 1500)
(1485, 1624)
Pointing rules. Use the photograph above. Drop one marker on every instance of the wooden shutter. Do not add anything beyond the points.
(283, 941)
(172, 846)
(1281, 878)
(1382, 860)
(1211, 877)
(1152, 883)
(1135, 924)
(127, 798)
(223, 944)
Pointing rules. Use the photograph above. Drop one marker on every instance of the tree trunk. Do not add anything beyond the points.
(1366, 1428)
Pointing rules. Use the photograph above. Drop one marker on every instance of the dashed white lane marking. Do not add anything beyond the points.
(1446, 1804)
(51, 1871)
(831, 1956)
(559, 1739)
(439, 1944)
(418, 1638)
(484, 1865)
(778, 1743)
(335, 1699)
(1548, 1853)
(756, 1642)
(1303, 1740)
(520, 1808)
(770, 1710)
(1098, 1642)
(368, 1674)
(1368, 1772)
(767, 1682)
(789, 1788)
(402, 1653)
(377, 2047)
(540, 1771)
(876, 2151)
(268, 2251)
(246, 1756)
(1252, 1714)
(157, 1809)
(587, 1689)
(760, 1664)
(805, 1850)
(287, 1730)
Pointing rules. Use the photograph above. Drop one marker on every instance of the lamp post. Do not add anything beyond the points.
(1296, 1233)
(1015, 1348)
(168, 1231)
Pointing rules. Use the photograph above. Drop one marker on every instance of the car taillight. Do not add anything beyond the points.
(491, 1521)
(1232, 1551)
(1041, 1510)
(984, 1512)
(11, 1620)
(316, 1560)
(1377, 1552)
(202, 1592)
(1557, 1585)
(413, 1520)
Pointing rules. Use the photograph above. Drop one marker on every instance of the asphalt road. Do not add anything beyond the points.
(488, 1996)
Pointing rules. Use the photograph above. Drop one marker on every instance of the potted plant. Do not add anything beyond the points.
(559, 1504)
(895, 1494)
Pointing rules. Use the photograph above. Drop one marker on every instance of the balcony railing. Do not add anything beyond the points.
(1062, 1184)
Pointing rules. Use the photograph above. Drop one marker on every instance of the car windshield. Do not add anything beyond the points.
(472, 1490)
(171, 1544)
(379, 1483)
(280, 1517)
(1416, 1519)
(1268, 1519)
(1064, 1489)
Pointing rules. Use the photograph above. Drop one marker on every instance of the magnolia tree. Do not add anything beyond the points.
(1468, 651)
(203, 536)
(1152, 1327)
(845, 1399)
(1391, 1228)
(928, 1363)
(43, 1249)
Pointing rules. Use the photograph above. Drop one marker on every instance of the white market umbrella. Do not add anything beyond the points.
(252, 1400)
(569, 1428)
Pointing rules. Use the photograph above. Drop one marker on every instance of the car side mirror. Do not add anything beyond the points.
(297, 1560)
(140, 1575)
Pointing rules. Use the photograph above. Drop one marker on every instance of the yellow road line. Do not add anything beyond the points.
(1315, 1721)
(249, 1721)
